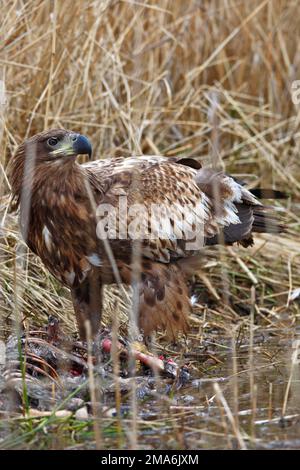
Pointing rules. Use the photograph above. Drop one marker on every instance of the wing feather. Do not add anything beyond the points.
(183, 206)
(173, 209)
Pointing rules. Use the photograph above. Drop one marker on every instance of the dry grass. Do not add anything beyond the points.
(209, 78)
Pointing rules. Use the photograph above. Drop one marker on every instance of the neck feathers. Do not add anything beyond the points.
(31, 177)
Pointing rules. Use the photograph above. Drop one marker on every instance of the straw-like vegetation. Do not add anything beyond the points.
(210, 78)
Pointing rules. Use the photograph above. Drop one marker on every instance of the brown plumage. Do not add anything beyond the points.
(61, 219)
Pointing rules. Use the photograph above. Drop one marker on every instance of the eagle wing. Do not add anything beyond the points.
(173, 205)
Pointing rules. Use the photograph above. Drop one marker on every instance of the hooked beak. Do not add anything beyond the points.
(81, 145)
(71, 145)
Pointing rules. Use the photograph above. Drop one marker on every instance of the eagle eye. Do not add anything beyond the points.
(52, 141)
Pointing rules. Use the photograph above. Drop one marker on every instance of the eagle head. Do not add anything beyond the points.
(39, 152)
(52, 145)
(60, 144)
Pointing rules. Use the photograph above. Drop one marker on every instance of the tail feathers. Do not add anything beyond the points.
(268, 193)
(266, 218)
(253, 219)
(267, 221)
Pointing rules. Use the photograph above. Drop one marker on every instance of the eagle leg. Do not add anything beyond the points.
(87, 303)
(164, 300)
